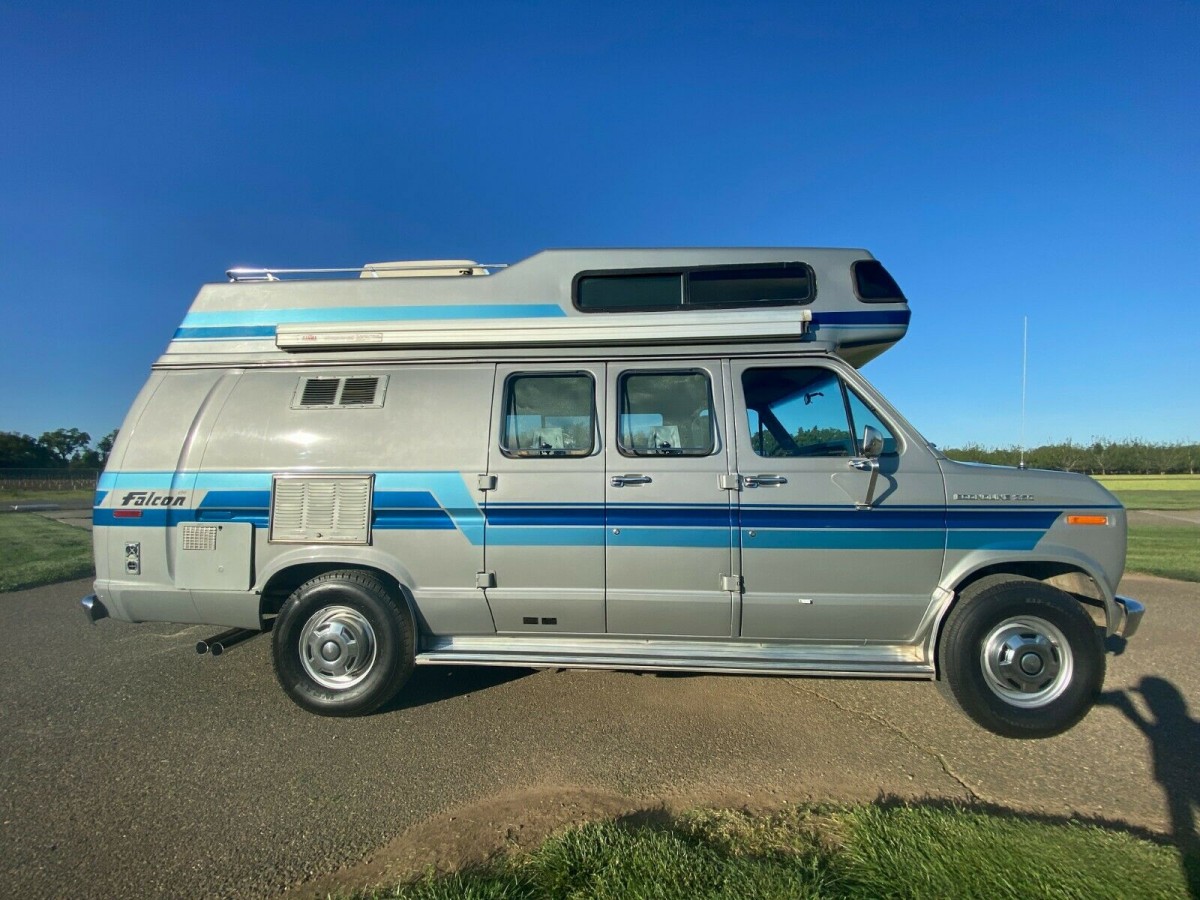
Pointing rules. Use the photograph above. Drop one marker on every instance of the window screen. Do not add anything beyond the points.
(665, 414)
(549, 415)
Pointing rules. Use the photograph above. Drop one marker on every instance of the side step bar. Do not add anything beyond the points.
(751, 658)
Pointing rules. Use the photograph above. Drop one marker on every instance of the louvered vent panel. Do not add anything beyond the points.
(340, 393)
(319, 391)
(199, 537)
(359, 391)
(322, 509)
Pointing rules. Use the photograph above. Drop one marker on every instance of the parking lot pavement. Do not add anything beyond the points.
(132, 767)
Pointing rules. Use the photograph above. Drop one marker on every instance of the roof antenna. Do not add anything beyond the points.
(1024, 370)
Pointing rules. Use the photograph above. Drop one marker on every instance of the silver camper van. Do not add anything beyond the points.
(655, 459)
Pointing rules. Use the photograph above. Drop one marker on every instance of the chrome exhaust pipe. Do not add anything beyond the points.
(219, 643)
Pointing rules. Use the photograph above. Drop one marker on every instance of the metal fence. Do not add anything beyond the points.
(48, 479)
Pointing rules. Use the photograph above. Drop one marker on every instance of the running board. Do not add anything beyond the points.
(663, 655)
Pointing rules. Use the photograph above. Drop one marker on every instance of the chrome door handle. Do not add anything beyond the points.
(763, 480)
(622, 480)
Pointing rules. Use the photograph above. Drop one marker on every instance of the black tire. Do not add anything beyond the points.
(1021, 658)
(343, 644)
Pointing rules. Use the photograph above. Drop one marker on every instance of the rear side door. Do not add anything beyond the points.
(544, 510)
(818, 562)
(669, 529)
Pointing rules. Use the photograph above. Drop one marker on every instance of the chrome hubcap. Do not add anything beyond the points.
(337, 647)
(1027, 661)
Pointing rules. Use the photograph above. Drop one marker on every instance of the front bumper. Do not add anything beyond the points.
(93, 609)
(1131, 616)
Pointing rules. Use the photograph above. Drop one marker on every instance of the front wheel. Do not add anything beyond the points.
(1021, 658)
(343, 644)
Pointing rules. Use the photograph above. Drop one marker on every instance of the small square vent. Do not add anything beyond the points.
(323, 392)
(199, 537)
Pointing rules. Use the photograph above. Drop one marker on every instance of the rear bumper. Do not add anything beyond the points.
(1131, 616)
(93, 609)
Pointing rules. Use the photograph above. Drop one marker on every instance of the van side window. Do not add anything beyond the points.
(549, 415)
(665, 414)
(805, 411)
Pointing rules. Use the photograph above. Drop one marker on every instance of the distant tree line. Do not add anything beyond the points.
(64, 448)
(1098, 457)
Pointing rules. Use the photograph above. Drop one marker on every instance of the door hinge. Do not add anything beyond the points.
(731, 482)
(487, 482)
(732, 583)
(485, 579)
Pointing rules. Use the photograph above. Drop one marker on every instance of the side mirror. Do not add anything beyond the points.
(872, 442)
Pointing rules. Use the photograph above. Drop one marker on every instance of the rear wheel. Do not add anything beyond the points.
(343, 644)
(1021, 658)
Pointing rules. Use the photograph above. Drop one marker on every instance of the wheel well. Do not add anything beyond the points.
(1065, 577)
(284, 582)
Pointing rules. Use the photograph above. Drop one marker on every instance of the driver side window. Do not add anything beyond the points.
(805, 411)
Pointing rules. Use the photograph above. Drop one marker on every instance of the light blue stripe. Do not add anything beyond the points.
(964, 539)
(234, 317)
(857, 539)
(558, 536)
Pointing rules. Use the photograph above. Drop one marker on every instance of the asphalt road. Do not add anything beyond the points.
(132, 767)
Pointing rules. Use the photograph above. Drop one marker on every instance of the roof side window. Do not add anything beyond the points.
(752, 286)
(703, 287)
(609, 293)
(873, 284)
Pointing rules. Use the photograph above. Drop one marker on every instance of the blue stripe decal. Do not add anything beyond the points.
(405, 500)
(259, 323)
(99, 498)
(714, 516)
(993, 540)
(786, 539)
(874, 317)
(413, 519)
(222, 332)
(558, 536)
(259, 500)
(533, 515)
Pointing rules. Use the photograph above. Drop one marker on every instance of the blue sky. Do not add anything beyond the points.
(1003, 160)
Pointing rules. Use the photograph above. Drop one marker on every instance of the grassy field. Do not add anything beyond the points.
(39, 551)
(8, 498)
(1170, 551)
(1154, 491)
(856, 852)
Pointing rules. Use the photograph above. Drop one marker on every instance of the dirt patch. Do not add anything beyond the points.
(470, 836)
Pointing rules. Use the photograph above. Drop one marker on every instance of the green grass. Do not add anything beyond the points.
(886, 850)
(1154, 491)
(9, 497)
(1171, 551)
(38, 551)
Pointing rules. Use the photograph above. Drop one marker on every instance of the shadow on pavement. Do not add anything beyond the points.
(1174, 738)
(432, 684)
